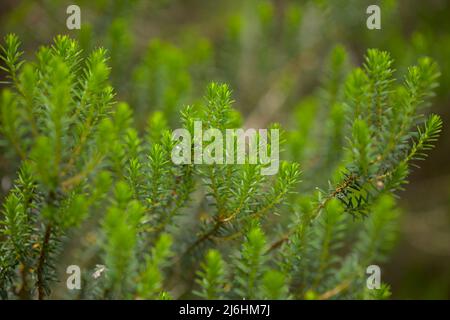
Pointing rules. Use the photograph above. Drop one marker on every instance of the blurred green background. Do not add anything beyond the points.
(272, 53)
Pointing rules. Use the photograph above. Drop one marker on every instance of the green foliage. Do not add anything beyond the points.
(151, 278)
(159, 230)
(211, 277)
(274, 285)
(376, 161)
(10, 54)
(162, 79)
(250, 264)
(120, 227)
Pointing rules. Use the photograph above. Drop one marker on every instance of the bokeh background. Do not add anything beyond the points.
(273, 55)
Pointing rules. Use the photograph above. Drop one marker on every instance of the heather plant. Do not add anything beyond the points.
(93, 187)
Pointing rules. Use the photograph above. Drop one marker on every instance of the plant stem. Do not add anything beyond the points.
(41, 262)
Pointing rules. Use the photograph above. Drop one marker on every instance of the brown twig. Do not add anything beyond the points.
(340, 188)
(24, 291)
(336, 290)
(41, 262)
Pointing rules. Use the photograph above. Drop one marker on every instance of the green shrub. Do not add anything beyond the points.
(92, 187)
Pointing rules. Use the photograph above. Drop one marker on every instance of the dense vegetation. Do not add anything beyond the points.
(92, 184)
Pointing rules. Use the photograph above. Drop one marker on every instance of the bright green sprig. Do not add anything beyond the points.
(211, 277)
